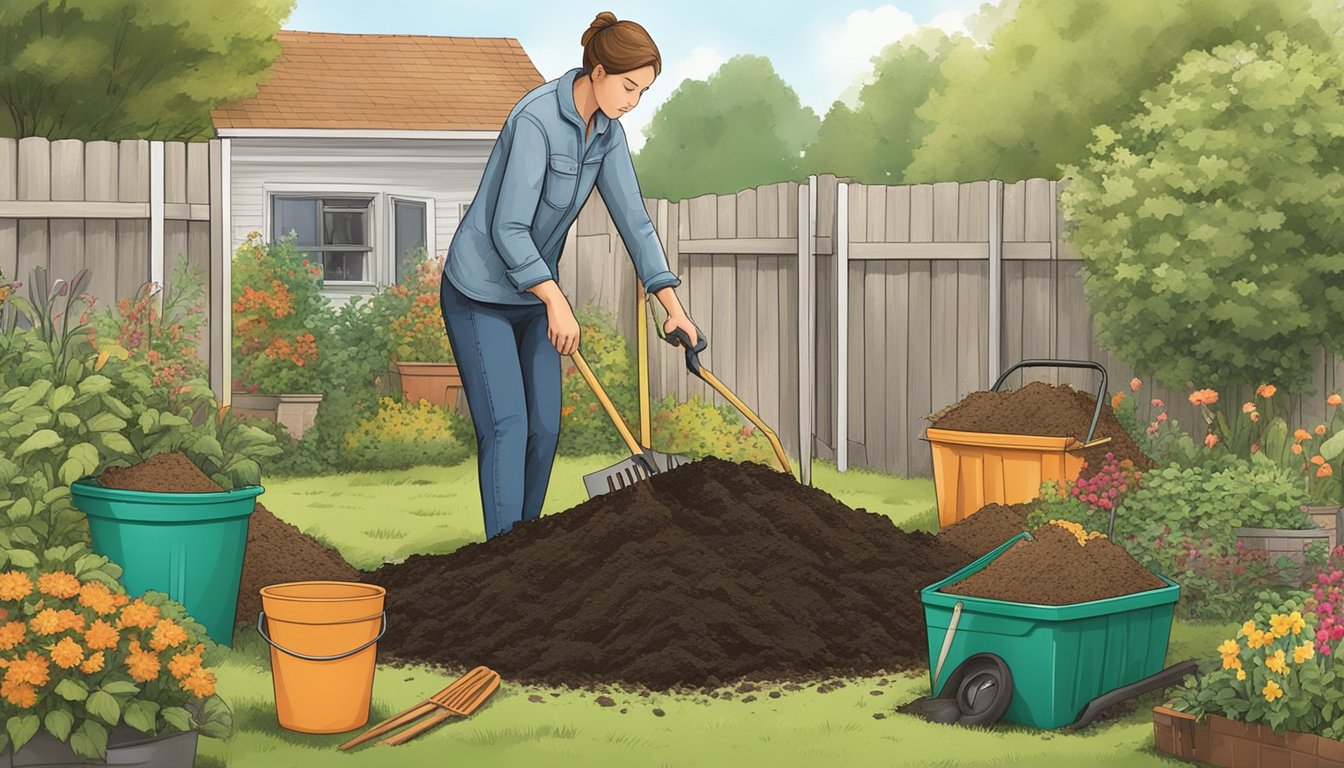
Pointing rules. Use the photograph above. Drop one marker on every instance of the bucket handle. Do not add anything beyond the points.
(947, 644)
(261, 623)
(1101, 391)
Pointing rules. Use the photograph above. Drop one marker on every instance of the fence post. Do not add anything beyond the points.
(995, 277)
(226, 281)
(156, 215)
(841, 235)
(807, 375)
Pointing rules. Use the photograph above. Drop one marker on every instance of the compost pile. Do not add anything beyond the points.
(990, 526)
(165, 473)
(1044, 409)
(1055, 567)
(712, 572)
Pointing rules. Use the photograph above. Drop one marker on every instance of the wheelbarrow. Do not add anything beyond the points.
(1045, 666)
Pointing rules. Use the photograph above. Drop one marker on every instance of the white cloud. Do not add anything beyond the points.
(699, 65)
(950, 22)
(847, 52)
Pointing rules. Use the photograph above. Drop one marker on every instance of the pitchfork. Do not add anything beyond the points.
(462, 697)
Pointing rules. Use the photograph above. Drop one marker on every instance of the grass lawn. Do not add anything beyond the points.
(437, 510)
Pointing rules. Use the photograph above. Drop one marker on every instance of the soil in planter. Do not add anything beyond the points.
(986, 529)
(1054, 569)
(712, 572)
(165, 473)
(278, 553)
(1044, 409)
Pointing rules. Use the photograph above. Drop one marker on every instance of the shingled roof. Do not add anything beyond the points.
(386, 82)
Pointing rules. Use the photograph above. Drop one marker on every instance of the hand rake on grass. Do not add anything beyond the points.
(462, 697)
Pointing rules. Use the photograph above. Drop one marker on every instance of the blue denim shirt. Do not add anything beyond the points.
(540, 173)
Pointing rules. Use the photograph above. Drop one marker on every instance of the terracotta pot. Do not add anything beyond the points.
(436, 382)
(295, 412)
(124, 747)
(1229, 743)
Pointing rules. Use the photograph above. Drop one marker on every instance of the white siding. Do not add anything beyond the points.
(446, 170)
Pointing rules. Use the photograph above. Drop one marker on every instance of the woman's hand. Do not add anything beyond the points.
(682, 322)
(562, 327)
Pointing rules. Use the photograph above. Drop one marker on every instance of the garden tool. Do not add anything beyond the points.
(662, 461)
(640, 466)
(462, 697)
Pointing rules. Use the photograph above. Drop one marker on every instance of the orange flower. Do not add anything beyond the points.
(182, 664)
(167, 634)
(1301, 434)
(15, 585)
(21, 695)
(1116, 399)
(12, 634)
(1334, 400)
(1203, 397)
(67, 653)
(93, 664)
(1248, 408)
(101, 635)
(1266, 390)
(46, 622)
(142, 665)
(1158, 403)
(1135, 385)
(1325, 471)
(1318, 460)
(201, 683)
(1320, 430)
(1211, 440)
(138, 614)
(32, 669)
(1255, 416)
(1297, 449)
(58, 584)
(98, 598)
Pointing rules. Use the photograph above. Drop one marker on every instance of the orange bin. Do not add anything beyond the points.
(972, 469)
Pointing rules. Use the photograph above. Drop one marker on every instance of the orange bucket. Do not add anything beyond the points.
(323, 637)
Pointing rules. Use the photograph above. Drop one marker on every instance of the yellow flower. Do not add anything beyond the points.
(1246, 629)
(1280, 624)
(1229, 648)
(201, 683)
(12, 634)
(67, 653)
(1231, 662)
(47, 622)
(58, 584)
(101, 635)
(1277, 662)
(15, 585)
(1257, 639)
(93, 664)
(1303, 653)
(1272, 691)
(1296, 622)
(97, 597)
(167, 634)
(143, 666)
(1241, 674)
(138, 614)
(21, 695)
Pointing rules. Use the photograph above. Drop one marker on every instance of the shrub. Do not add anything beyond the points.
(403, 435)
(1216, 585)
(281, 318)
(411, 316)
(1089, 500)
(585, 427)
(165, 340)
(697, 429)
(81, 658)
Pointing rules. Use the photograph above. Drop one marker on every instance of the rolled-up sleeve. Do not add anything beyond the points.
(519, 194)
(620, 191)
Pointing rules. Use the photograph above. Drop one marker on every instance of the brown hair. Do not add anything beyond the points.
(619, 46)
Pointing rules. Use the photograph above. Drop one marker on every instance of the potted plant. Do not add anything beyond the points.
(89, 673)
(1273, 697)
(419, 342)
(280, 325)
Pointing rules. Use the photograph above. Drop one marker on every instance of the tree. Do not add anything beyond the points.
(1210, 222)
(117, 69)
(874, 142)
(1028, 102)
(740, 128)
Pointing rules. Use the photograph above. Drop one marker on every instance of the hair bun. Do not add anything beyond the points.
(603, 21)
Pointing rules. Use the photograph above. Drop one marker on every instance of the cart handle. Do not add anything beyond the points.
(1101, 391)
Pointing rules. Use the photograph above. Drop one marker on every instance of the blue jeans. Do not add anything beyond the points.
(511, 377)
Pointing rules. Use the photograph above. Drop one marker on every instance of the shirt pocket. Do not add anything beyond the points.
(562, 178)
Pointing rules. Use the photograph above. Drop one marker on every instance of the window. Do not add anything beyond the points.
(336, 232)
(409, 232)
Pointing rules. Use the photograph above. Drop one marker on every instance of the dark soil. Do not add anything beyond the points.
(165, 473)
(986, 529)
(277, 553)
(1053, 569)
(1044, 409)
(711, 573)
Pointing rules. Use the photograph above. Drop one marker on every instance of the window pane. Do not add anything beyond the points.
(410, 232)
(343, 265)
(346, 202)
(343, 229)
(298, 214)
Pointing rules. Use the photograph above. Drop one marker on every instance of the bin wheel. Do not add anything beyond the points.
(983, 688)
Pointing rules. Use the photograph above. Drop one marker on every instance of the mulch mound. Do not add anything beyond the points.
(1054, 569)
(277, 553)
(986, 529)
(711, 572)
(165, 473)
(1044, 409)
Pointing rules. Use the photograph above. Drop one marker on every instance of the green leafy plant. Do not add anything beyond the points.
(166, 338)
(696, 428)
(412, 315)
(281, 318)
(402, 435)
(80, 658)
(584, 425)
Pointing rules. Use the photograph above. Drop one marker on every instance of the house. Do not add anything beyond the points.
(367, 146)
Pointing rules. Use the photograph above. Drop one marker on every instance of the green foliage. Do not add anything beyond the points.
(119, 69)
(403, 435)
(585, 427)
(1208, 221)
(409, 315)
(741, 128)
(165, 338)
(1027, 103)
(874, 142)
(697, 429)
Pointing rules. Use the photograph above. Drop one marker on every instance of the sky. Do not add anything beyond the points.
(820, 49)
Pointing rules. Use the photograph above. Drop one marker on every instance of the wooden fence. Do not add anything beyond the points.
(127, 211)
(919, 329)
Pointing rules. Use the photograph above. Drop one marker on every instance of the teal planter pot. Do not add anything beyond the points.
(188, 545)
(1061, 656)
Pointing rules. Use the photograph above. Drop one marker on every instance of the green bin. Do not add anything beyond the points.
(1061, 656)
(188, 545)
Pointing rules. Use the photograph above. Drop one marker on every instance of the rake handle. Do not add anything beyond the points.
(392, 723)
(601, 394)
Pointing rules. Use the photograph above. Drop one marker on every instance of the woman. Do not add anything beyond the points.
(506, 318)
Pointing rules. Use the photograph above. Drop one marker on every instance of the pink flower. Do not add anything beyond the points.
(1135, 384)
(1162, 417)
(1158, 403)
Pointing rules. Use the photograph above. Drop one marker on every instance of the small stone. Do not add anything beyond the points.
(746, 688)
(879, 716)
(555, 695)
(624, 711)
(644, 694)
(884, 681)
(658, 712)
(748, 699)
(536, 699)
(874, 693)
(775, 694)
(606, 701)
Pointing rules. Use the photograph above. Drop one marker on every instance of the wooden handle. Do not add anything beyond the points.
(741, 406)
(616, 419)
(392, 723)
(642, 350)
(418, 728)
